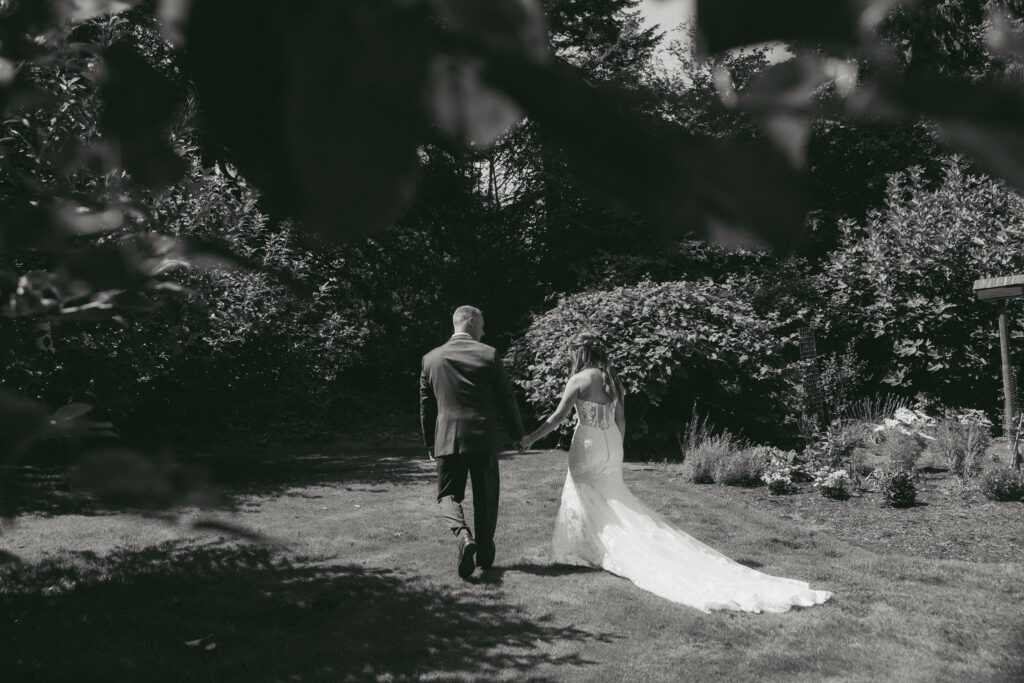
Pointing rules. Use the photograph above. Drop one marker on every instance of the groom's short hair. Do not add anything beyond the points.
(463, 314)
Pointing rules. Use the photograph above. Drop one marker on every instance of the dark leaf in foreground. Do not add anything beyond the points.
(320, 105)
(725, 24)
(983, 119)
(733, 191)
(999, 150)
(20, 418)
(138, 107)
(71, 411)
(782, 98)
(26, 227)
(21, 22)
(127, 478)
(462, 103)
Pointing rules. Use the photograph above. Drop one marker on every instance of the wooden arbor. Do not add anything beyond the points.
(1002, 289)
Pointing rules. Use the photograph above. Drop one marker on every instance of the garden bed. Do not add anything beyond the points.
(947, 523)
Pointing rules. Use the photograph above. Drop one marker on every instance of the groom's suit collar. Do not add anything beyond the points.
(460, 335)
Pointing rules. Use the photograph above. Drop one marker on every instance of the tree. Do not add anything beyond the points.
(900, 284)
(672, 344)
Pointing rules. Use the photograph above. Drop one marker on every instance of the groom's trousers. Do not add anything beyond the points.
(482, 468)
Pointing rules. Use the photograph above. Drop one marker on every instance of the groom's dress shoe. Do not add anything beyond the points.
(485, 555)
(467, 563)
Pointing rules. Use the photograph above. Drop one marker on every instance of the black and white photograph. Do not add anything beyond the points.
(511, 340)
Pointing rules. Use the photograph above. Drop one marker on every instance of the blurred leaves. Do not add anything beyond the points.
(139, 105)
(24, 424)
(339, 150)
(126, 478)
(321, 106)
(20, 419)
(726, 24)
(985, 120)
(464, 105)
(80, 10)
(677, 181)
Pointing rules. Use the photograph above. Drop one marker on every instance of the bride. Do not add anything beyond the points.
(602, 524)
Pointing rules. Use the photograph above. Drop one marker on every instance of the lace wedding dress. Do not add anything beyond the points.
(601, 524)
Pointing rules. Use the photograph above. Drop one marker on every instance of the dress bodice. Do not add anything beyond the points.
(593, 414)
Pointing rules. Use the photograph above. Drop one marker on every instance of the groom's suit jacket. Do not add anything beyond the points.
(463, 390)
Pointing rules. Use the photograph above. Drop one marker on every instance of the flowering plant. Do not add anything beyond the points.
(968, 416)
(779, 476)
(910, 422)
(833, 483)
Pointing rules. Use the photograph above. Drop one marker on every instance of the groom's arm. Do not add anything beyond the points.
(507, 398)
(428, 411)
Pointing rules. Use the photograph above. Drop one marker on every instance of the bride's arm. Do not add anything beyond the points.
(572, 390)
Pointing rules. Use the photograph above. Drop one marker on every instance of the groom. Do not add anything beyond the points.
(463, 388)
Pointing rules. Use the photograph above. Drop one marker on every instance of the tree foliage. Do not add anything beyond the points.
(901, 283)
(672, 344)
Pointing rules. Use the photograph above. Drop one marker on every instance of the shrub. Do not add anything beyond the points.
(900, 282)
(898, 488)
(962, 442)
(703, 463)
(743, 468)
(834, 447)
(860, 463)
(779, 485)
(833, 483)
(902, 449)
(673, 344)
(1002, 484)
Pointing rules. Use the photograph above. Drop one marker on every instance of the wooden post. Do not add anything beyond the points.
(1001, 289)
(1004, 348)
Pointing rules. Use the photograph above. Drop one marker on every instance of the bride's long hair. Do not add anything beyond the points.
(586, 350)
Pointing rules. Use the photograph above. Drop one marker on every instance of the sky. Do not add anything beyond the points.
(667, 13)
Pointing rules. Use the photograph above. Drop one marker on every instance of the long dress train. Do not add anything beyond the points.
(601, 524)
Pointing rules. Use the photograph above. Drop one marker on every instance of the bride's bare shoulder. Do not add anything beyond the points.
(582, 379)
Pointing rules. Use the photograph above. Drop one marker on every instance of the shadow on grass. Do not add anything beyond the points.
(44, 488)
(550, 569)
(217, 613)
(753, 564)
(496, 575)
(272, 474)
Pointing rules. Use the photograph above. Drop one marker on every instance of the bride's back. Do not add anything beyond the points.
(592, 389)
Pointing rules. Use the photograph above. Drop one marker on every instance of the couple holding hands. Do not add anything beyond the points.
(600, 523)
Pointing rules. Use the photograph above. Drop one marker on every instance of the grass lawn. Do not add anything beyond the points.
(359, 584)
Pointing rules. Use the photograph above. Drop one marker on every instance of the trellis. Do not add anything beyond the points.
(815, 403)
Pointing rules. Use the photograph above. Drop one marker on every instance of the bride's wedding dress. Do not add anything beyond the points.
(602, 524)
